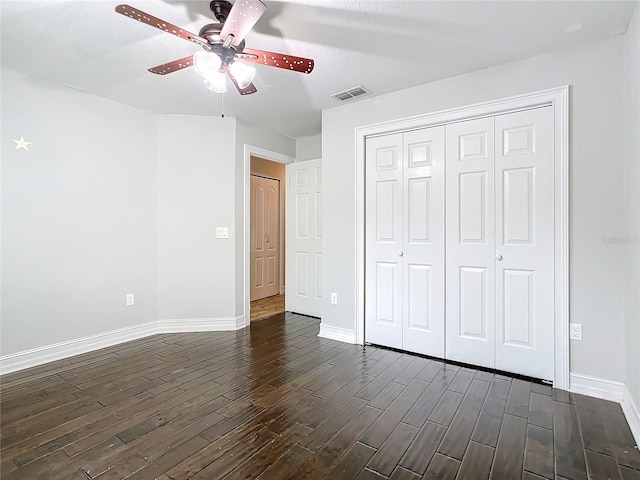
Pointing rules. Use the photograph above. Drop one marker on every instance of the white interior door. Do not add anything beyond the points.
(383, 241)
(404, 296)
(304, 238)
(423, 241)
(265, 230)
(524, 243)
(470, 284)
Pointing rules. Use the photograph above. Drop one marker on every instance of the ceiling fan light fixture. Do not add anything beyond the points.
(216, 82)
(218, 58)
(243, 73)
(206, 63)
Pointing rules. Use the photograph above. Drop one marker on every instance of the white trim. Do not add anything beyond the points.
(337, 333)
(287, 233)
(632, 412)
(558, 99)
(58, 351)
(596, 387)
(186, 325)
(274, 157)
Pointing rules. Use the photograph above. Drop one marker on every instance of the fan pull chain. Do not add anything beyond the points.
(222, 105)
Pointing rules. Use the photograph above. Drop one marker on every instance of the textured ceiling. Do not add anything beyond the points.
(383, 45)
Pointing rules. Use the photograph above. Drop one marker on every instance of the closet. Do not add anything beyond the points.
(459, 241)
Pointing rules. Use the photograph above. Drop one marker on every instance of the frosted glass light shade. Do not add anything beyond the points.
(206, 63)
(216, 82)
(243, 73)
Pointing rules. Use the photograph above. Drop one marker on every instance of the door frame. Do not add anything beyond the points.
(252, 150)
(558, 99)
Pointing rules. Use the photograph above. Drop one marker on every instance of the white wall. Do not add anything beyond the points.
(308, 148)
(196, 167)
(78, 214)
(111, 200)
(632, 203)
(597, 273)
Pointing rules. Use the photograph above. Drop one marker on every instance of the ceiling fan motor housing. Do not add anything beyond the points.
(220, 9)
(212, 33)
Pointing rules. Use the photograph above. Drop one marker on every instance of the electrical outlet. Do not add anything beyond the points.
(334, 298)
(130, 299)
(575, 331)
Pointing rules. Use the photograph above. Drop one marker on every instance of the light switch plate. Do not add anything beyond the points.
(130, 299)
(222, 232)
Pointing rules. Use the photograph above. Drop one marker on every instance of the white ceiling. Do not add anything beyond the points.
(382, 45)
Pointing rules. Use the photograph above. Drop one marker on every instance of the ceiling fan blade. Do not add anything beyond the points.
(129, 11)
(248, 90)
(280, 60)
(172, 66)
(243, 16)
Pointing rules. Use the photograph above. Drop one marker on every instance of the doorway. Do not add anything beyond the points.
(267, 239)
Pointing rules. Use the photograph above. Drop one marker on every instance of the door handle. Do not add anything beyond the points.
(266, 238)
(498, 257)
(400, 253)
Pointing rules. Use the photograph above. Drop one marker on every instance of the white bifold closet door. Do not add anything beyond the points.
(500, 241)
(404, 241)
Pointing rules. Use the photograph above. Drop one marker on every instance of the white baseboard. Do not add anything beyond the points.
(596, 387)
(58, 351)
(220, 324)
(632, 412)
(337, 333)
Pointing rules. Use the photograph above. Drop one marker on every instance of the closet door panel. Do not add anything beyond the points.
(524, 243)
(423, 245)
(383, 241)
(470, 257)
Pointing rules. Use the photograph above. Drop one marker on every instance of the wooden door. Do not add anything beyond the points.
(265, 232)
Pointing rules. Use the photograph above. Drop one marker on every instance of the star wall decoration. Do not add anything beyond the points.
(22, 143)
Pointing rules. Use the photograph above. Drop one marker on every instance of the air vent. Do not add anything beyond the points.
(351, 93)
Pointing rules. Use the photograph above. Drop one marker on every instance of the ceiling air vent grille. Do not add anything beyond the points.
(351, 93)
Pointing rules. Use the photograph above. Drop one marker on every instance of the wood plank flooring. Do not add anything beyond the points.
(267, 307)
(277, 402)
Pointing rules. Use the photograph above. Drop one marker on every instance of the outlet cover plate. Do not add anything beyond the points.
(575, 331)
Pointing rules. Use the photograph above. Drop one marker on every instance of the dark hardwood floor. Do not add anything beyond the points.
(277, 402)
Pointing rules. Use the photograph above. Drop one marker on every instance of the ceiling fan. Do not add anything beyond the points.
(223, 46)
